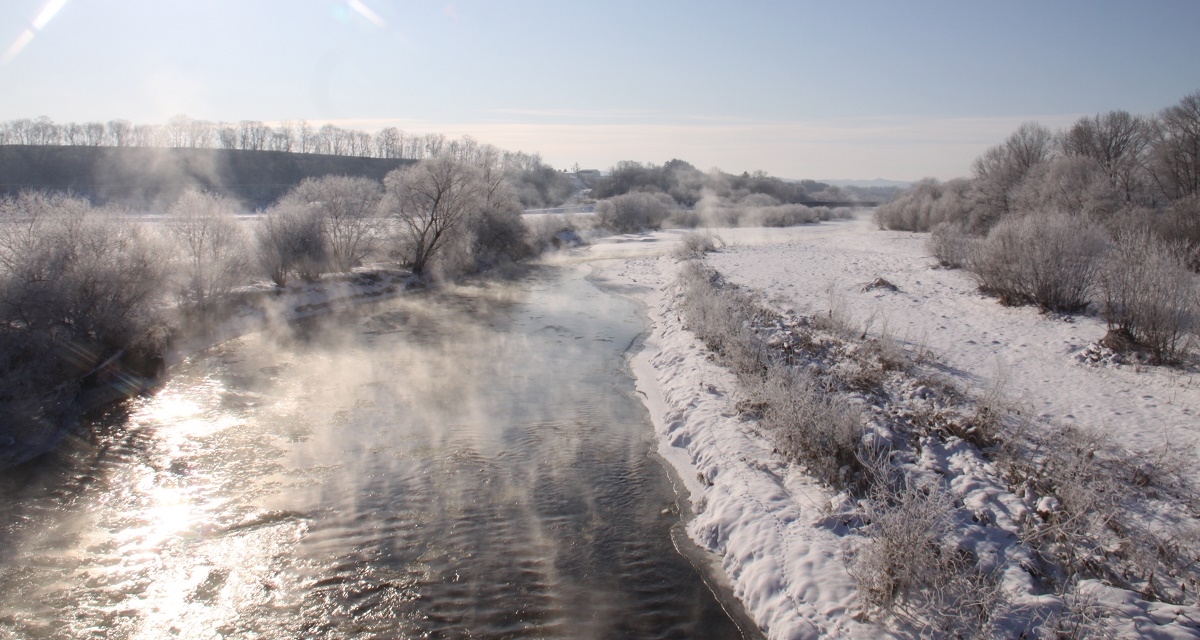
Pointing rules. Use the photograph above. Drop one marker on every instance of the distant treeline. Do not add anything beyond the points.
(247, 135)
(149, 166)
(688, 185)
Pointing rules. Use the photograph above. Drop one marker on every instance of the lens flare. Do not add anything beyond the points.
(47, 14)
(366, 12)
(43, 18)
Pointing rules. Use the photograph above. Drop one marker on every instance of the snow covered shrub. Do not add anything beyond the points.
(951, 245)
(346, 206)
(1091, 520)
(912, 209)
(908, 565)
(1050, 260)
(634, 212)
(1181, 223)
(721, 317)
(694, 244)
(291, 242)
(1148, 294)
(812, 427)
(778, 215)
(927, 204)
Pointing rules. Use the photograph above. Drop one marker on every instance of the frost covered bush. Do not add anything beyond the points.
(952, 245)
(72, 272)
(812, 427)
(780, 215)
(291, 242)
(908, 565)
(500, 235)
(912, 209)
(694, 244)
(1050, 260)
(721, 317)
(1091, 520)
(926, 205)
(1148, 294)
(633, 212)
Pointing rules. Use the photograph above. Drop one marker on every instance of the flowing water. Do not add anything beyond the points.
(459, 464)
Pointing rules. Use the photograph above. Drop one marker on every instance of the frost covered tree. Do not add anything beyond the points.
(1002, 168)
(211, 248)
(1175, 154)
(432, 203)
(1117, 141)
(347, 209)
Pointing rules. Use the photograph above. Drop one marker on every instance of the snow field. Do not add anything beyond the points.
(775, 530)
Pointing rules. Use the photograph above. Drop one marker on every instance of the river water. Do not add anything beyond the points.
(469, 463)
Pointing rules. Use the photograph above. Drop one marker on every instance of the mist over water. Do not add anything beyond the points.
(465, 463)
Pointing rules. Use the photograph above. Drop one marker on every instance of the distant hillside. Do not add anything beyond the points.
(152, 178)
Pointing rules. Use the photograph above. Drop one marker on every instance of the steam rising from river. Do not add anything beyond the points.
(463, 461)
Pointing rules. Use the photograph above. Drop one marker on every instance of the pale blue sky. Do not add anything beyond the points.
(885, 89)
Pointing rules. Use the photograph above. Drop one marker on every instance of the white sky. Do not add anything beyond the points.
(877, 89)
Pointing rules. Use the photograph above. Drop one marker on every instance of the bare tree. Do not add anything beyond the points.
(177, 130)
(389, 143)
(147, 135)
(304, 136)
(211, 248)
(21, 131)
(201, 134)
(45, 131)
(121, 133)
(432, 202)
(252, 135)
(73, 134)
(93, 134)
(227, 136)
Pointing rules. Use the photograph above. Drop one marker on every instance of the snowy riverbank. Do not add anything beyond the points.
(763, 518)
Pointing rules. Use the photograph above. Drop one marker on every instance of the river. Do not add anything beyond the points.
(463, 463)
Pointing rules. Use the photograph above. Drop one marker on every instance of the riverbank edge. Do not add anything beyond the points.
(736, 508)
(706, 563)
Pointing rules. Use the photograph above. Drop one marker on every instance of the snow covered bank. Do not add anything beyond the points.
(766, 521)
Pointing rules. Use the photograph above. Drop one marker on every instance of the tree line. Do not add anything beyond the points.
(248, 135)
(536, 183)
(1102, 215)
